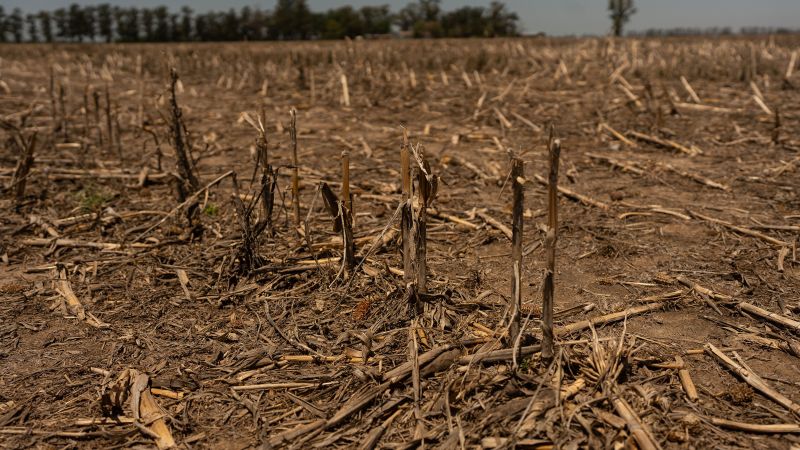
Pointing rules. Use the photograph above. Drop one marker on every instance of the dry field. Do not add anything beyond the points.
(147, 302)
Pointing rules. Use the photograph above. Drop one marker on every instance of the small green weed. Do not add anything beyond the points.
(211, 210)
(91, 199)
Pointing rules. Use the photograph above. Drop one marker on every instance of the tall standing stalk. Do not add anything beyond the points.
(98, 127)
(64, 109)
(53, 110)
(188, 183)
(295, 169)
(345, 91)
(313, 85)
(345, 213)
(25, 161)
(405, 220)
(550, 248)
(346, 196)
(517, 181)
(268, 183)
(140, 76)
(86, 112)
(118, 134)
(109, 124)
(420, 229)
(427, 184)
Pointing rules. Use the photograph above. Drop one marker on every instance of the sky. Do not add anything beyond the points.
(554, 17)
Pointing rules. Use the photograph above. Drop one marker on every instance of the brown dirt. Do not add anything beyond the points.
(199, 346)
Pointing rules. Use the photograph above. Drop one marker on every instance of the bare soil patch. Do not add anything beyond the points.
(683, 214)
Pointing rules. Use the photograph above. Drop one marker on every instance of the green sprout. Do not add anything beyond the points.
(211, 210)
(91, 199)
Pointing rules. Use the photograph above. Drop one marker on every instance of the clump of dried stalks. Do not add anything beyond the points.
(247, 257)
(24, 146)
(422, 361)
(186, 179)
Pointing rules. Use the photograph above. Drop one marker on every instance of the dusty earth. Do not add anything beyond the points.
(682, 196)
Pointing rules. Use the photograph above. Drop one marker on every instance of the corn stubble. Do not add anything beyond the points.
(337, 292)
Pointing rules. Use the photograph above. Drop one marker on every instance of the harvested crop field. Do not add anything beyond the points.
(164, 282)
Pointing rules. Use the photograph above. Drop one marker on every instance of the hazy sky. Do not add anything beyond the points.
(554, 17)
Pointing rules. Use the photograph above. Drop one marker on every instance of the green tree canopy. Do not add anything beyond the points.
(290, 19)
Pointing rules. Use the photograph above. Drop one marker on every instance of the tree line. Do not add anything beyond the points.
(713, 31)
(289, 20)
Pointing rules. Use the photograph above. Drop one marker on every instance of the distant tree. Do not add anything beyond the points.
(33, 29)
(621, 12)
(148, 24)
(15, 24)
(407, 17)
(161, 14)
(90, 22)
(209, 27)
(62, 24)
(423, 18)
(200, 28)
(231, 28)
(2, 24)
(204, 26)
(132, 21)
(174, 28)
(500, 21)
(246, 26)
(118, 18)
(46, 25)
(105, 22)
(430, 9)
(292, 19)
(376, 19)
(77, 22)
(712, 31)
(127, 20)
(186, 24)
(341, 22)
(260, 24)
(217, 21)
(464, 22)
